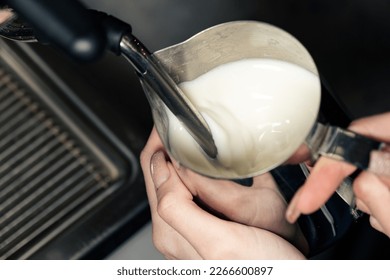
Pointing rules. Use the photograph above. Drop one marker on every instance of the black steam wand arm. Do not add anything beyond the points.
(85, 34)
(81, 33)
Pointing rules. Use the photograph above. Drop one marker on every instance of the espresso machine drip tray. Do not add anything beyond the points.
(56, 167)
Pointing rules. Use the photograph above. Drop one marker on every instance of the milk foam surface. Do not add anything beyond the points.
(259, 112)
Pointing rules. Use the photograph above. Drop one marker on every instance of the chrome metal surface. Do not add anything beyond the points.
(229, 42)
(345, 145)
(232, 41)
(154, 76)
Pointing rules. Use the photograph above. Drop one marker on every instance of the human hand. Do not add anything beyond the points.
(249, 223)
(372, 191)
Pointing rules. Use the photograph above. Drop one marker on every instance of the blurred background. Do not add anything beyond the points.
(348, 39)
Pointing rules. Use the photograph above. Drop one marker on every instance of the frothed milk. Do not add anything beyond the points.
(259, 112)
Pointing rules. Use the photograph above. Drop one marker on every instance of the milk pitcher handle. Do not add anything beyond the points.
(345, 145)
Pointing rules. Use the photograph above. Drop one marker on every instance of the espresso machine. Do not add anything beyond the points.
(75, 156)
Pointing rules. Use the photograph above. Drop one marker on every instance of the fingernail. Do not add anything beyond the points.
(292, 213)
(159, 169)
(362, 206)
(375, 224)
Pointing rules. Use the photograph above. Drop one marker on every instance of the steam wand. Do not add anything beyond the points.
(85, 34)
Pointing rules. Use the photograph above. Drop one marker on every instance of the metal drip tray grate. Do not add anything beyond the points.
(49, 177)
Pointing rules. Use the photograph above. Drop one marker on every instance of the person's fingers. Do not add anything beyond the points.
(177, 208)
(371, 127)
(376, 225)
(375, 127)
(380, 162)
(153, 144)
(226, 197)
(301, 154)
(213, 237)
(327, 174)
(166, 240)
(159, 168)
(260, 205)
(375, 194)
(362, 206)
(325, 177)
